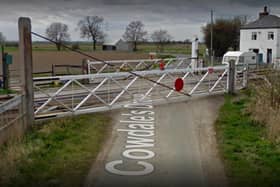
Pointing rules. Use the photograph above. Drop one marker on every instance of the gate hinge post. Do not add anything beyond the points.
(25, 51)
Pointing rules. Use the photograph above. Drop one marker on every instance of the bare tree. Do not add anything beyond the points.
(2, 38)
(135, 33)
(92, 27)
(59, 33)
(161, 37)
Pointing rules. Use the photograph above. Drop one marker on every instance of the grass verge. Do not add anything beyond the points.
(59, 153)
(251, 159)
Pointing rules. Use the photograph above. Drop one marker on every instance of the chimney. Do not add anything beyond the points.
(264, 13)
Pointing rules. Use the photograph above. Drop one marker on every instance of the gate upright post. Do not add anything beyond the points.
(85, 70)
(245, 76)
(231, 77)
(25, 50)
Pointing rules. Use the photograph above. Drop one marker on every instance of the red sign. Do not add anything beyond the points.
(179, 84)
(161, 65)
(210, 70)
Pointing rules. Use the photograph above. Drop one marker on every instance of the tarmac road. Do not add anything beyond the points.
(178, 149)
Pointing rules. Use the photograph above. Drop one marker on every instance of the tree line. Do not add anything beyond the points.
(226, 33)
(92, 28)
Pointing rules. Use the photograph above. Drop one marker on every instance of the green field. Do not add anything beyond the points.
(250, 158)
(59, 153)
(142, 47)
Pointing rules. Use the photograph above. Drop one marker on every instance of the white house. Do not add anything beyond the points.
(262, 37)
(118, 45)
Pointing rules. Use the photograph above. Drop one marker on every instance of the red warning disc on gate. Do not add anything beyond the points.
(161, 65)
(179, 84)
(210, 70)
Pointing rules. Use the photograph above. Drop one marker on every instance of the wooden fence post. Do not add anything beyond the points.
(25, 49)
(85, 70)
(231, 77)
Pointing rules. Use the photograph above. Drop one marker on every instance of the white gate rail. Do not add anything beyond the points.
(97, 67)
(76, 95)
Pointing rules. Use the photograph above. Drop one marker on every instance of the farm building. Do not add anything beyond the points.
(118, 45)
(262, 37)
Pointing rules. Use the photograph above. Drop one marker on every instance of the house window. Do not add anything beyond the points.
(254, 35)
(270, 36)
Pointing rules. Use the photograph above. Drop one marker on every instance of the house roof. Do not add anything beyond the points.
(111, 42)
(264, 22)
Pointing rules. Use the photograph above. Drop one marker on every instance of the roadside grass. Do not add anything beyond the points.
(59, 153)
(251, 159)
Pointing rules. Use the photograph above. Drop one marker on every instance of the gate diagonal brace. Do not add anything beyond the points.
(124, 90)
(201, 80)
(121, 87)
(53, 97)
(218, 81)
(91, 93)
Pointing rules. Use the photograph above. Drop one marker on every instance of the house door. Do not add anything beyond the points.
(269, 56)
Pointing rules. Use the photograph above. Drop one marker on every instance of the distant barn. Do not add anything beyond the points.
(118, 45)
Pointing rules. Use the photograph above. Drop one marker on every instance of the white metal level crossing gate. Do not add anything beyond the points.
(137, 65)
(80, 94)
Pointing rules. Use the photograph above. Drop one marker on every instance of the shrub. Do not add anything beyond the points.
(75, 46)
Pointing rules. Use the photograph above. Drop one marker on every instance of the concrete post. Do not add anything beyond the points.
(231, 77)
(25, 50)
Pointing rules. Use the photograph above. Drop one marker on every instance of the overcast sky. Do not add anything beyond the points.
(182, 18)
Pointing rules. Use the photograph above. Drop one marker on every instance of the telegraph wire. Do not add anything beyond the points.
(109, 64)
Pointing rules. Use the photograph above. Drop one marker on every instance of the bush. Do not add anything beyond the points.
(11, 44)
(75, 46)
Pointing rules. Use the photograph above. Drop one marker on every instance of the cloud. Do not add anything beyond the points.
(182, 18)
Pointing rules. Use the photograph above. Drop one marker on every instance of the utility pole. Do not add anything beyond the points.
(211, 45)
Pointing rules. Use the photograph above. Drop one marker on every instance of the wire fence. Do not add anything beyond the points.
(11, 118)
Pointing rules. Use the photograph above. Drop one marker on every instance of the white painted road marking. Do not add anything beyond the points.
(182, 138)
(140, 136)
